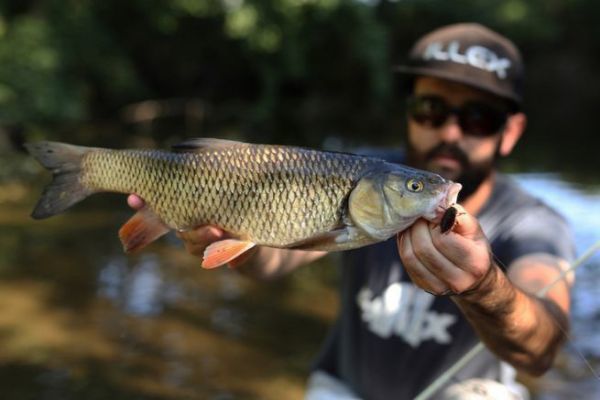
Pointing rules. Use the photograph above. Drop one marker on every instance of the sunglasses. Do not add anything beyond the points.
(474, 118)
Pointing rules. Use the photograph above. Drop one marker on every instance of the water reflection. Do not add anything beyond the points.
(137, 290)
(79, 319)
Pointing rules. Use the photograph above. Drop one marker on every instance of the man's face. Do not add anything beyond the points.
(446, 149)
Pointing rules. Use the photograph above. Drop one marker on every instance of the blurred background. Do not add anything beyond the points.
(79, 319)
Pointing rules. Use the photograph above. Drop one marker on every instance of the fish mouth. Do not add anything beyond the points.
(452, 194)
(446, 199)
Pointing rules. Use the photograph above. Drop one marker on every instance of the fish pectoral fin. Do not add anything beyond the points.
(223, 251)
(345, 238)
(141, 230)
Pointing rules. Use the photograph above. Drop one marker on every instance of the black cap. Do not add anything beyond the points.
(471, 54)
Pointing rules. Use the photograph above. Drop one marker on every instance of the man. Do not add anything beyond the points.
(479, 281)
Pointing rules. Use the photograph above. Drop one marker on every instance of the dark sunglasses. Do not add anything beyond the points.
(474, 118)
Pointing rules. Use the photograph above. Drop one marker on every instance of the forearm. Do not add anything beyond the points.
(518, 327)
(266, 263)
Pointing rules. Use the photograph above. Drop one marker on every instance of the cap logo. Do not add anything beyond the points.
(475, 56)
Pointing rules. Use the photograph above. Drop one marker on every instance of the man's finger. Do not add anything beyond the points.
(420, 275)
(135, 201)
(432, 258)
(465, 246)
(466, 225)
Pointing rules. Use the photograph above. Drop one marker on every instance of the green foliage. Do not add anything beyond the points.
(286, 71)
(31, 75)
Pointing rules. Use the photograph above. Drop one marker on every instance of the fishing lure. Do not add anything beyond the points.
(449, 221)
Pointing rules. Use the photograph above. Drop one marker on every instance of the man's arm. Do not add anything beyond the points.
(514, 323)
(519, 327)
(259, 262)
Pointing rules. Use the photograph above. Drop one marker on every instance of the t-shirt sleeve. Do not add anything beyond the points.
(536, 230)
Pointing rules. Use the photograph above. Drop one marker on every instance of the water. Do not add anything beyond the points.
(79, 319)
(580, 204)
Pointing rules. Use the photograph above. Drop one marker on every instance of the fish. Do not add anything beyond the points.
(267, 195)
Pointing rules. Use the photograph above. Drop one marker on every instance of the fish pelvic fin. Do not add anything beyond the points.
(64, 161)
(141, 230)
(223, 251)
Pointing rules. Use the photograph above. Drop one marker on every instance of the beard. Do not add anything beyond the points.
(472, 174)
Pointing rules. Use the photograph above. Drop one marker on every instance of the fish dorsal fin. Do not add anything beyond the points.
(201, 144)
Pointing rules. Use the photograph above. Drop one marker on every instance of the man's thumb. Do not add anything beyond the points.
(462, 223)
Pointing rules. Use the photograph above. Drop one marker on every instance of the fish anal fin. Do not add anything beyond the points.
(223, 251)
(141, 230)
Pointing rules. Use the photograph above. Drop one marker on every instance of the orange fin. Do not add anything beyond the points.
(141, 230)
(223, 251)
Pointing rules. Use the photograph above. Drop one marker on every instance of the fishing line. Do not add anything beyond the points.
(456, 367)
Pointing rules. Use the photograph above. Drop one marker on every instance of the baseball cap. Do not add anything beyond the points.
(471, 54)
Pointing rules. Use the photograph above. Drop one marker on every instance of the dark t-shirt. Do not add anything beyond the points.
(392, 339)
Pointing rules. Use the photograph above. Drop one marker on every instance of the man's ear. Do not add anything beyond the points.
(515, 126)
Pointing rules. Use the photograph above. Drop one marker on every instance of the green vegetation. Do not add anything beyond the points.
(281, 71)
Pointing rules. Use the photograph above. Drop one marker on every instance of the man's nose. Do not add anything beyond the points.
(450, 131)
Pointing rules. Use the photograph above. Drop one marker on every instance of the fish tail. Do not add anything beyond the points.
(65, 163)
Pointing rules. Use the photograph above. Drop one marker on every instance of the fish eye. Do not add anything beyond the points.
(414, 185)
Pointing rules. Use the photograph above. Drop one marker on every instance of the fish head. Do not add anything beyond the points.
(412, 193)
(386, 202)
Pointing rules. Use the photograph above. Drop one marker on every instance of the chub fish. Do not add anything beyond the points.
(267, 195)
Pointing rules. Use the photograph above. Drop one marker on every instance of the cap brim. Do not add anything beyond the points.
(449, 76)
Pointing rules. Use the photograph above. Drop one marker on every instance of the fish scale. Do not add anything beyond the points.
(261, 194)
(236, 189)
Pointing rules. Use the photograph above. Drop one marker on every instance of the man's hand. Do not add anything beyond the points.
(196, 240)
(446, 263)
(516, 325)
